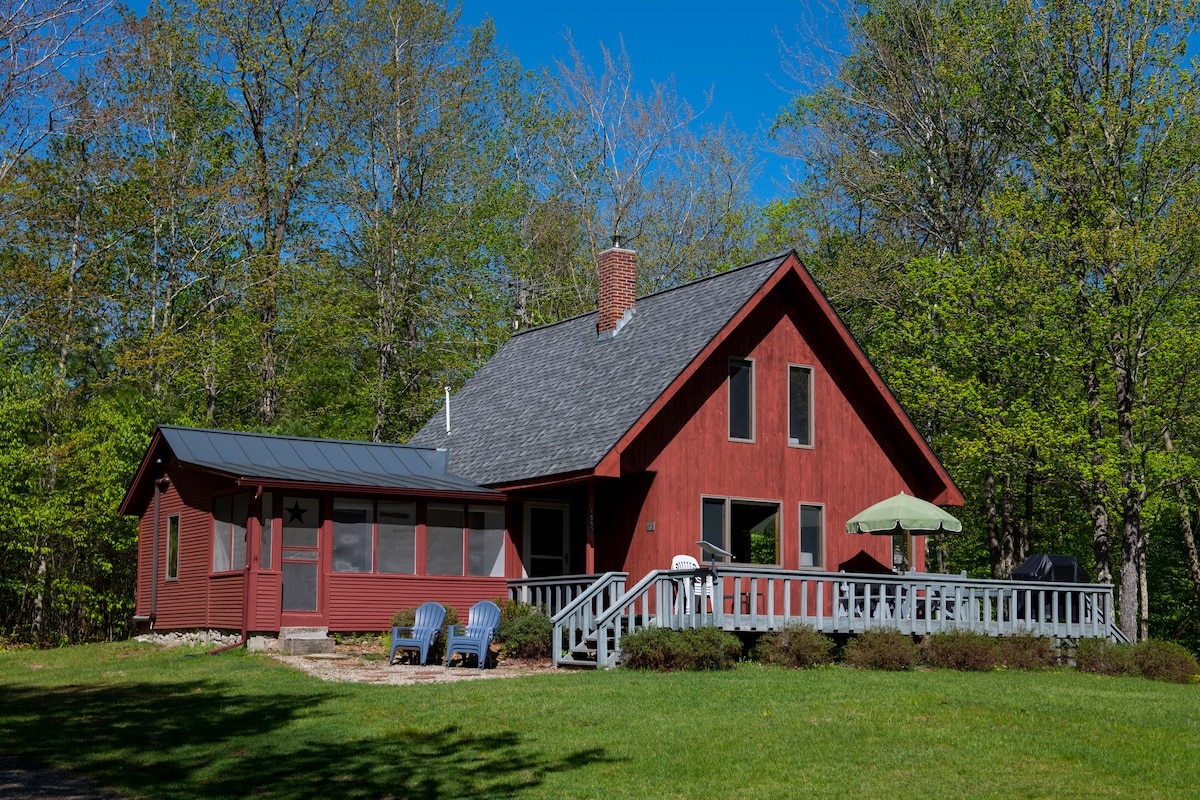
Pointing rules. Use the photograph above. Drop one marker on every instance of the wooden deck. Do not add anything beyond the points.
(592, 612)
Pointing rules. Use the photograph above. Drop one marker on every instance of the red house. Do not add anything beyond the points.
(735, 409)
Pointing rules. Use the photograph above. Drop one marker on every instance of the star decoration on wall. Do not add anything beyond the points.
(296, 513)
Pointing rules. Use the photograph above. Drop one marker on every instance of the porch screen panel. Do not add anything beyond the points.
(222, 525)
(266, 539)
(396, 538)
(241, 512)
(301, 518)
(299, 586)
(444, 540)
(712, 525)
(352, 525)
(485, 541)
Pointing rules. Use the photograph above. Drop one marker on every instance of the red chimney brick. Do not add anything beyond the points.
(618, 277)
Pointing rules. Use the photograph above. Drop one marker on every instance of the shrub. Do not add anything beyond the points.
(1105, 658)
(666, 650)
(961, 650)
(880, 649)
(795, 646)
(406, 617)
(1027, 651)
(526, 636)
(1165, 661)
(515, 609)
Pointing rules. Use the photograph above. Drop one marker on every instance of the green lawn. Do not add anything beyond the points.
(161, 723)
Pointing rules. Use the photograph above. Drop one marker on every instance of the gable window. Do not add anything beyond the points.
(229, 532)
(741, 399)
(812, 534)
(747, 528)
(173, 547)
(800, 406)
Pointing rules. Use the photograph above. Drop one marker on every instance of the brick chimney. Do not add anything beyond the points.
(618, 277)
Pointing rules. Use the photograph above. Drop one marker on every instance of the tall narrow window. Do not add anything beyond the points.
(173, 547)
(800, 406)
(741, 399)
(812, 529)
(444, 540)
(352, 524)
(396, 546)
(485, 541)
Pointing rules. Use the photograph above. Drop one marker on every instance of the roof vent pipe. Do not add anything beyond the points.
(447, 410)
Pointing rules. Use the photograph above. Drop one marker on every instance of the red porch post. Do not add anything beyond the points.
(590, 549)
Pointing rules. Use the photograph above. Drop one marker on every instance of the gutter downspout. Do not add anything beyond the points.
(159, 486)
(245, 578)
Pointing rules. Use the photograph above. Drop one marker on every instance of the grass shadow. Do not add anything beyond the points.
(198, 739)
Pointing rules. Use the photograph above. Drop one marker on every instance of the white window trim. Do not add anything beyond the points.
(753, 399)
(812, 373)
(799, 535)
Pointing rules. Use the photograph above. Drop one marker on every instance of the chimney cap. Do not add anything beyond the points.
(618, 240)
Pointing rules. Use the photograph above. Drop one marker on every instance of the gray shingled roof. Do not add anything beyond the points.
(265, 457)
(556, 399)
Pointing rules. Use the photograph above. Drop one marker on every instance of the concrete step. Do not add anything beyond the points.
(305, 641)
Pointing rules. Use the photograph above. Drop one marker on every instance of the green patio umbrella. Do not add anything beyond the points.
(900, 514)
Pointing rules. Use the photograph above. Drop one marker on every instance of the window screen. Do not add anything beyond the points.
(222, 524)
(444, 540)
(266, 539)
(396, 539)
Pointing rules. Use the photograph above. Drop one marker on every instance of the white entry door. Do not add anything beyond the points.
(547, 539)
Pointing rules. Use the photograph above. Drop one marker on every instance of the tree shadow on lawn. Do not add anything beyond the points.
(196, 739)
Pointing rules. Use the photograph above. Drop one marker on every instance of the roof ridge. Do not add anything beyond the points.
(782, 254)
(298, 438)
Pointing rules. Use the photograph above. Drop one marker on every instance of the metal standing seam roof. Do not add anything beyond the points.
(329, 461)
(557, 398)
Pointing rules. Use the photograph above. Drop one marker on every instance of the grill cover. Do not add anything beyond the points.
(1051, 568)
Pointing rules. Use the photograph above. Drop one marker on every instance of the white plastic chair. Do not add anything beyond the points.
(703, 587)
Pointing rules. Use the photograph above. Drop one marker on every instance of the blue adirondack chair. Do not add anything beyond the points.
(476, 637)
(420, 635)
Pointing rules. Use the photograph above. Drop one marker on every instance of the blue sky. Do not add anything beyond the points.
(730, 49)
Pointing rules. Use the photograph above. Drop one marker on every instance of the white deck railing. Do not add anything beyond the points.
(761, 599)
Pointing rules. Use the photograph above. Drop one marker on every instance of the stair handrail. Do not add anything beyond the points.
(612, 616)
(574, 609)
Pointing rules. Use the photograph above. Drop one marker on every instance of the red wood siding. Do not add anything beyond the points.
(367, 602)
(201, 599)
(685, 453)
